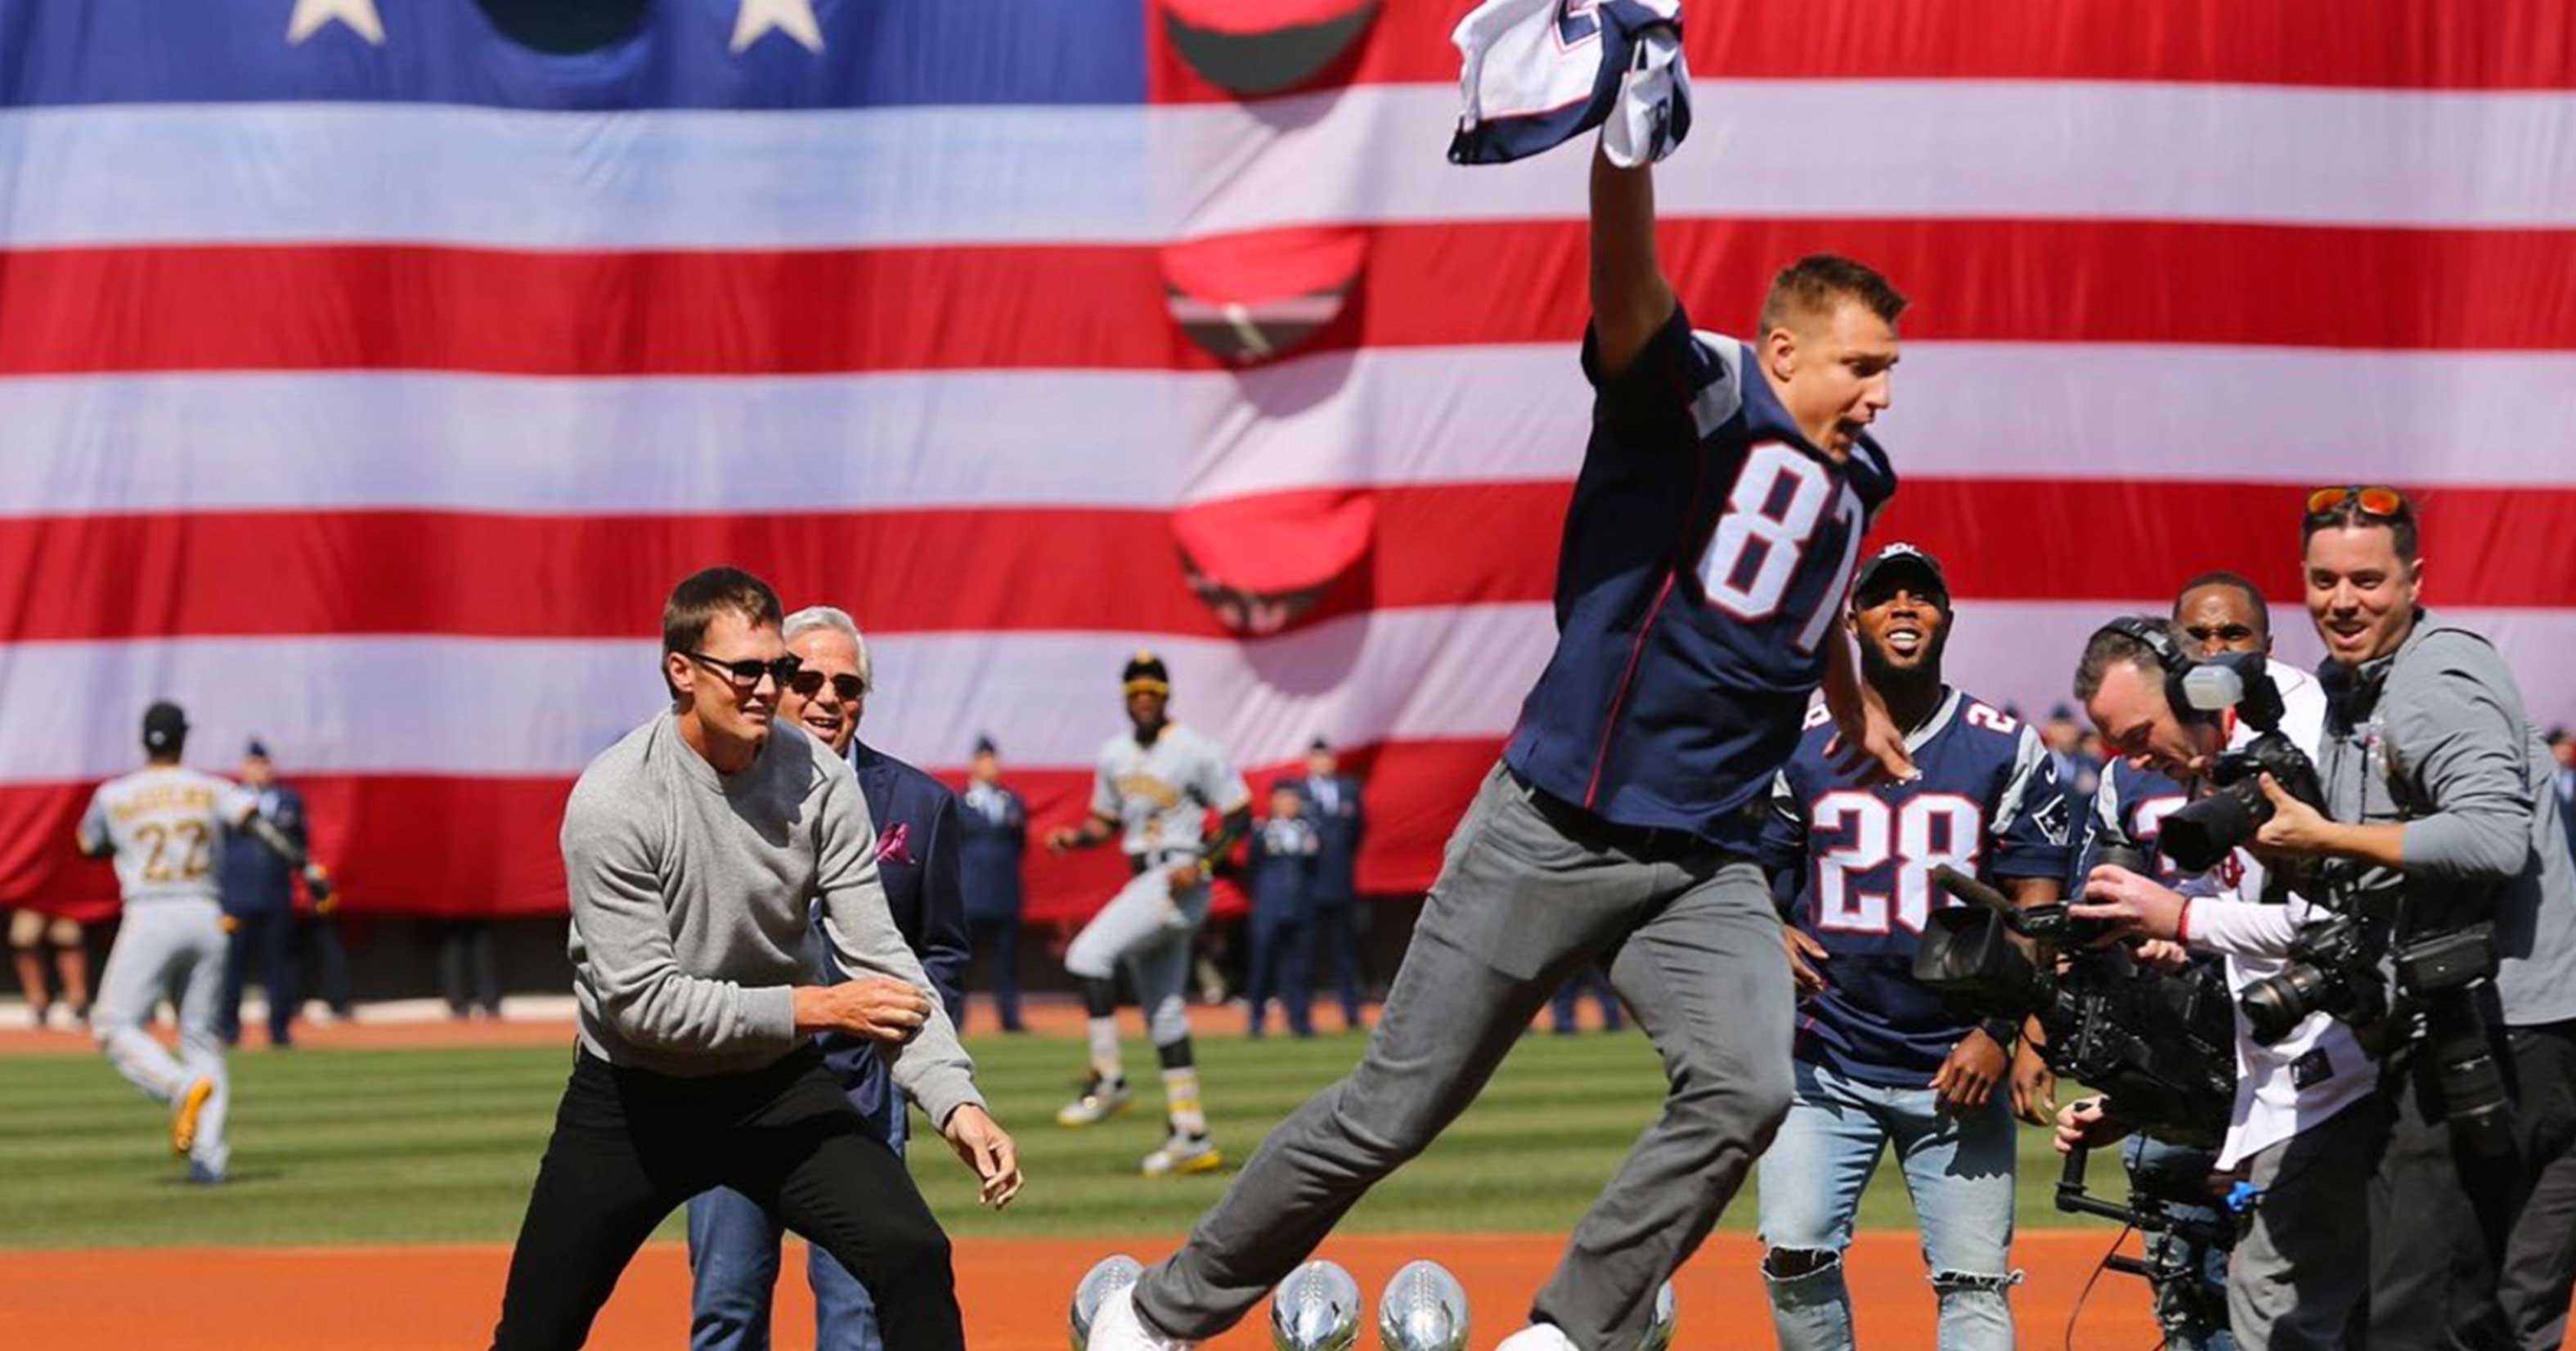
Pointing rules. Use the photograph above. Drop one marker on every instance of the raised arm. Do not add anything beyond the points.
(1630, 298)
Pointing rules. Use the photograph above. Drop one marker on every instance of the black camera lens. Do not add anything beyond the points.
(2197, 835)
(2275, 1005)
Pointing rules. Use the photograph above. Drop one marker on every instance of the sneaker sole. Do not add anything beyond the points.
(183, 1127)
(1200, 1163)
(1075, 1123)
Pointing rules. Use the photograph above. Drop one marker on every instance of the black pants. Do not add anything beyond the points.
(267, 937)
(2441, 1220)
(629, 1147)
(996, 938)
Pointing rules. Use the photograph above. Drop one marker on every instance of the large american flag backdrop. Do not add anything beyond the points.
(367, 375)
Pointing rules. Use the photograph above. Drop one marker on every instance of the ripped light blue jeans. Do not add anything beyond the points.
(1958, 1169)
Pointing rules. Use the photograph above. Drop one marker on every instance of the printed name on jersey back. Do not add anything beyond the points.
(164, 798)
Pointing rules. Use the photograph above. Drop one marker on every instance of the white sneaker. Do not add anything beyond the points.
(1538, 1337)
(1117, 1328)
(1182, 1155)
(1101, 1099)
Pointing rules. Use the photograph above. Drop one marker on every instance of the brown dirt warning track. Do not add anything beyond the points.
(1014, 1294)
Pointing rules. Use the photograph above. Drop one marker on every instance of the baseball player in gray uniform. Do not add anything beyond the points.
(164, 825)
(1153, 791)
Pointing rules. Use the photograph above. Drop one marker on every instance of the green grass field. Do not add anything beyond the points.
(432, 1146)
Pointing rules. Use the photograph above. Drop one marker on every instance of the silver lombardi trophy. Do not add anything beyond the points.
(1316, 1309)
(1424, 1309)
(1659, 1333)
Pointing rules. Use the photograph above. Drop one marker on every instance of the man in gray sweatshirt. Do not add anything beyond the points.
(2438, 785)
(691, 849)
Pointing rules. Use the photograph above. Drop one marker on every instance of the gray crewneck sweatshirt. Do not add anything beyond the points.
(689, 908)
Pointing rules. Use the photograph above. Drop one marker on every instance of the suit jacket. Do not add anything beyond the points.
(989, 852)
(1282, 857)
(1342, 827)
(916, 823)
(254, 880)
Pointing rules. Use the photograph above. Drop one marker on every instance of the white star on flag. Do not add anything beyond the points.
(795, 18)
(311, 15)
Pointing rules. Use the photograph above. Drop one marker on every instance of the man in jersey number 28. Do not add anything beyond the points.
(1879, 1061)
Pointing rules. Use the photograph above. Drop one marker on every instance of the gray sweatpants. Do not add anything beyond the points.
(1527, 893)
(1149, 929)
(2302, 1270)
(174, 949)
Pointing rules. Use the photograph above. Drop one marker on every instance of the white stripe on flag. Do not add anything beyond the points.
(1157, 439)
(498, 708)
(130, 173)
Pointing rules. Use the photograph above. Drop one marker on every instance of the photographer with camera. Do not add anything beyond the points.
(2438, 786)
(2217, 613)
(2305, 1125)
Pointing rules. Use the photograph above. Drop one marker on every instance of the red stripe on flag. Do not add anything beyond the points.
(2393, 44)
(417, 308)
(133, 576)
(113, 577)
(392, 838)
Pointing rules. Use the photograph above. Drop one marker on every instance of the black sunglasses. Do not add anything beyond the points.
(810, 683)
(746, 673)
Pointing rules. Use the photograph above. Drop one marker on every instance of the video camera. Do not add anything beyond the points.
(2162, 1045)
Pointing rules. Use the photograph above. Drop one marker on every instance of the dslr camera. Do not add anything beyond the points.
(2205, 831)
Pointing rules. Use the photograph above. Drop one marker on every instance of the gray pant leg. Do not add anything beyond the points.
(1517, 906)
(139, 971)
(201, 950)
(1141, 913)
(2540, 1263)
(1159, 964)
(1707, 982)
(2302, 1270)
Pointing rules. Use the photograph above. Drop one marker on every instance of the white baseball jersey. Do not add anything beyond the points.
(1161, 793)
(168, 824)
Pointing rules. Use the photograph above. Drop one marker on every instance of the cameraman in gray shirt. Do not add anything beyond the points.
(2438, 786)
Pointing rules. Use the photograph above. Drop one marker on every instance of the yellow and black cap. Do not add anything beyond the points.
(1145, 674)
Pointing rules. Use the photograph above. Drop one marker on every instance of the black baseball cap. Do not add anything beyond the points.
(1146, 672)
(165, 727)
(984, 746)
(1905, 559)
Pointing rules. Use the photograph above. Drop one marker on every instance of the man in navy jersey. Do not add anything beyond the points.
(2216, 613)
(1715, 521)
(1880, 1060)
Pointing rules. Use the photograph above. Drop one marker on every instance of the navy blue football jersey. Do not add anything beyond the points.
(2129, 805)
(1987, 803)
(1704, 560)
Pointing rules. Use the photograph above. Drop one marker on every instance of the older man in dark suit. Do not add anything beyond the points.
(1341, 823)
(733, 1244)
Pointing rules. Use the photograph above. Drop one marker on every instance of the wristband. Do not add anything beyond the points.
(2182, 923)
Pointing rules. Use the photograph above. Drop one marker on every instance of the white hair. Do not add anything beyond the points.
(814, 617)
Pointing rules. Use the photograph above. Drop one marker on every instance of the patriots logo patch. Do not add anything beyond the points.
(2054, 819)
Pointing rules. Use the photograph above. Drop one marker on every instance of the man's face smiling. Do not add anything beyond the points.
(818, 705)
(1902, 623)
